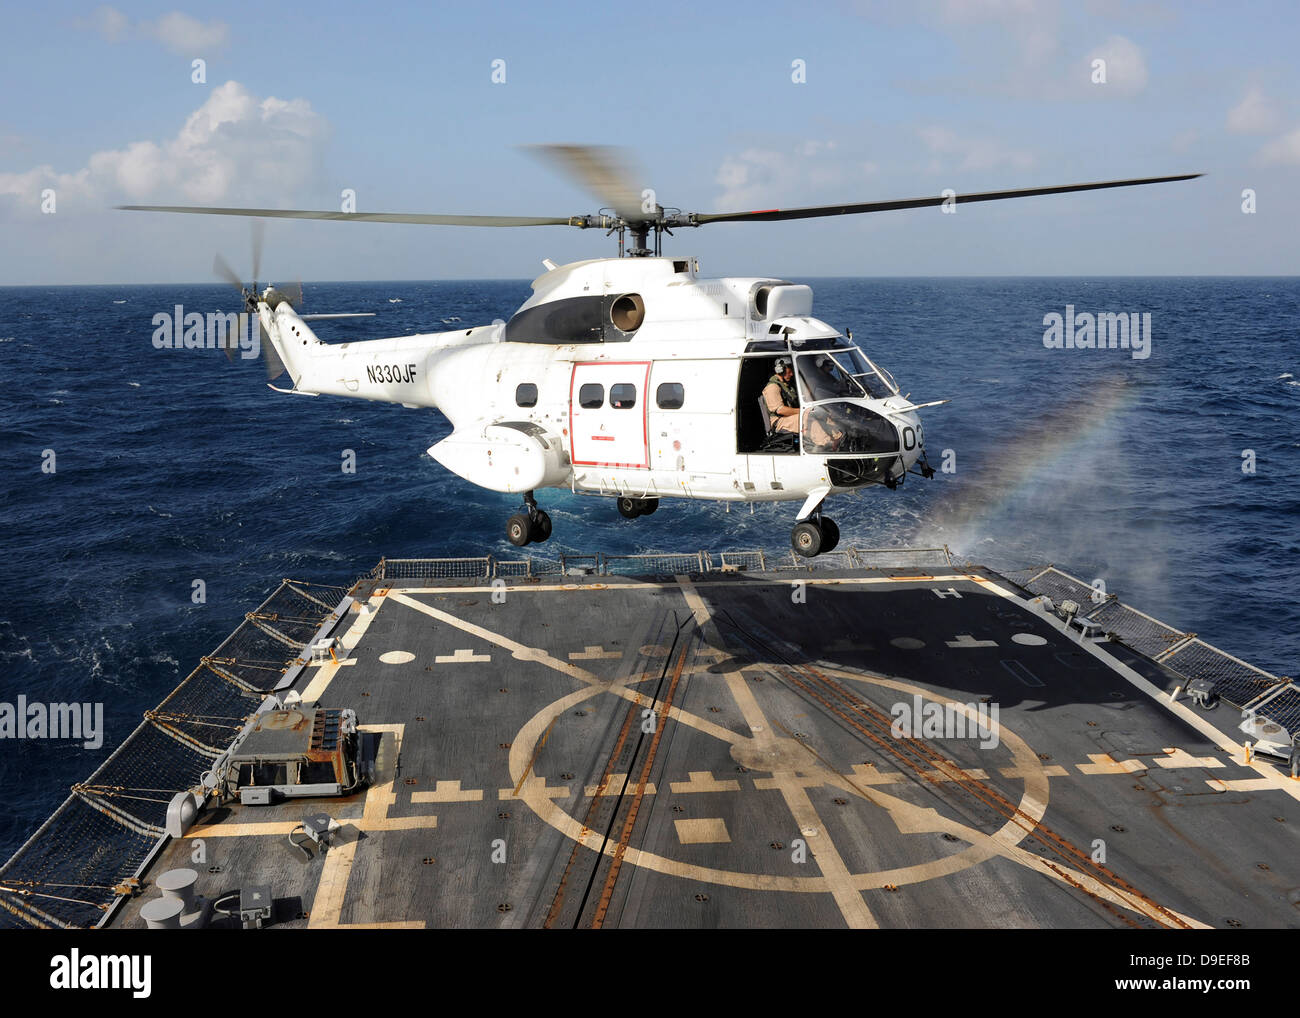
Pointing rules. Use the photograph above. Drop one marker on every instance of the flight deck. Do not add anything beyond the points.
(894, 741)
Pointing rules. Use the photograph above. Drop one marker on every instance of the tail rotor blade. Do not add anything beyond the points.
(293, 293)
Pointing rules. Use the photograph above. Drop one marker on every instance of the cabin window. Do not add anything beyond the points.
(670, 396)
(591, 395)
(622, 396)
(526, 394)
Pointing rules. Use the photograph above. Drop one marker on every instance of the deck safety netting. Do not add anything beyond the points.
(1232, 679)
(67, 871)
(1140, 631)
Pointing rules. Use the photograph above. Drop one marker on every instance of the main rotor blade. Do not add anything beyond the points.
(366, 217)
(602, 171)
(232, 342)
(816, 211)
(220, 268)
(274, 366)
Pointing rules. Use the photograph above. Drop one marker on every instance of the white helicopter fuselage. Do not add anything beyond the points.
(635, 378)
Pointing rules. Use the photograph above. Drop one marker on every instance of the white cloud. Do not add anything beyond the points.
(179, 32)
(185, 35)
(1024, 49)
(1126, 67)
(1255, 114)
(108, 22)
(233, 146)
(1032, 27)
(1033, 24)
(1283, 151)
(953, 151)
(758, 176)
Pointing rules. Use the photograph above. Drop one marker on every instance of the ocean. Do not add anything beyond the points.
(171, 466)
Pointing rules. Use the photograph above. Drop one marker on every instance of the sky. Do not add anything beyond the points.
(719, 107)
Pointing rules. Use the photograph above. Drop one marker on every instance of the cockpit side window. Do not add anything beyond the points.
(821, 377)
(875, 382)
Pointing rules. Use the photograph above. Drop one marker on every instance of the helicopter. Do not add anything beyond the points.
(632, 377)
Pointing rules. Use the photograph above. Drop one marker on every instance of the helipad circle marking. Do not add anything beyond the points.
(396, 657)
(1028, 639)
(1031, 806)
(907, 643)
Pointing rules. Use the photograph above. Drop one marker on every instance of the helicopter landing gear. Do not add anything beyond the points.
(630, 508)
(806, 538)
(814, 536)
(529, 524)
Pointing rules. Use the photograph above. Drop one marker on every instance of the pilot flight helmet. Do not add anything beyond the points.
(781, 364)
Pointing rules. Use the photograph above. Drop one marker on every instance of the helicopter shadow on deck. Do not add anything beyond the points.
(962, 647)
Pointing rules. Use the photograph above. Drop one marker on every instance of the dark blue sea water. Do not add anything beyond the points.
(173, 466)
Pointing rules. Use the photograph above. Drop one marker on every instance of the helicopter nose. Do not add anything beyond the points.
(911, 440)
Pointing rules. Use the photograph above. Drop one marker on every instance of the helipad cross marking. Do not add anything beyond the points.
(613, 786)
(1104, 763)
(1181, 758)
(868, 774)
(839, 882)
(703, 781)
(596, 653)
(535, 785)
(449, 791)
(965, 641)
(1051, 770)
(462, 656)
(1242, 784)
(710, 831)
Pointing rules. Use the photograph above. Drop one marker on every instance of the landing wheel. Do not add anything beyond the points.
(519, 529)
(541, 526)
(629, 508)
(830, 534)
(1295, 761)
(648, 506)
(806, 538)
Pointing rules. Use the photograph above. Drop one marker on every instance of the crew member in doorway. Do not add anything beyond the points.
(783, 405)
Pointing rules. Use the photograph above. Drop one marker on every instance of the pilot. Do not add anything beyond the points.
(821, 381)
(783, 405)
